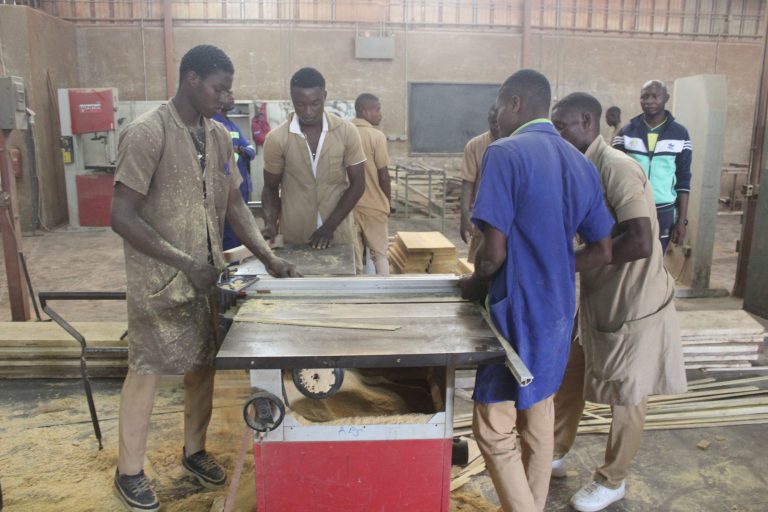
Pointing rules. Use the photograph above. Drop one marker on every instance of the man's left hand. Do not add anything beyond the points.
(472, 288)
(278, 267)
(322, 237)
(677, 235)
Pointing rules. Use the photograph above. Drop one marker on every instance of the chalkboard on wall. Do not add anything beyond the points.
(443, 117)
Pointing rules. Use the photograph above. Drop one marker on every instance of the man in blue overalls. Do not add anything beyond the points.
(244, 153)
(536, 193)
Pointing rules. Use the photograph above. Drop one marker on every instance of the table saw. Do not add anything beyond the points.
(324, 325)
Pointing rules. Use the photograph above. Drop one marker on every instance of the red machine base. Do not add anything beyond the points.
(353, 476)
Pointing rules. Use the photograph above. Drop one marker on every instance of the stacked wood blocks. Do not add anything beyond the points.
(720, 339)
(428, 252)
(43, 350)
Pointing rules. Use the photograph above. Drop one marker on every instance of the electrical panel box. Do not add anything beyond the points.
(13, 103)
(92, 110)
(372, 47)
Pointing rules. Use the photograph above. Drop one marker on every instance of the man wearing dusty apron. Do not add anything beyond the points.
(172, 194)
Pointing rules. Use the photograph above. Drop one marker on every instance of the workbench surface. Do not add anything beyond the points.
(368, 333)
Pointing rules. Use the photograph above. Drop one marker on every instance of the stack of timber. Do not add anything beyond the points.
(43, 350)
(708, 403)
(428, 252)
(722, 339)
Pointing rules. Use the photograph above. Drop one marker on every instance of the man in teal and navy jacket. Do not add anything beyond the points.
(662, 147)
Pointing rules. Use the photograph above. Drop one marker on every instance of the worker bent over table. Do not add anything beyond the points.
(536, 192)
(313, 170)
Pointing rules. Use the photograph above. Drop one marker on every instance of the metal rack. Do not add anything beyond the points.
(421, 188)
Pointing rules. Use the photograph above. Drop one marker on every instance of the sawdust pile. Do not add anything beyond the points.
(470, 501)
(372, 396)
(49, 458)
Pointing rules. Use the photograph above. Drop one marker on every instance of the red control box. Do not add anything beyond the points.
(91, 110)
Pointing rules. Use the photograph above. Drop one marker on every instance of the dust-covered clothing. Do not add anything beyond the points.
(629, 326)
(171, 325)
(308, 195)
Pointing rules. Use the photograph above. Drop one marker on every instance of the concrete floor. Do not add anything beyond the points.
(669, 474)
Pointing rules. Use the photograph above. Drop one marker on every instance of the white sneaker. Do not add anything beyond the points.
(558, 468)
(593, 497)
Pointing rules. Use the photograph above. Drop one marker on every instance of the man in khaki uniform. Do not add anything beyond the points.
(471, 168)
(372, 211)
(173, 190)
(313, 170)
(613, 122)
(629, 336)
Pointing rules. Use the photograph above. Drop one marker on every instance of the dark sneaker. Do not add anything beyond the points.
(135, 492)
(205, 469)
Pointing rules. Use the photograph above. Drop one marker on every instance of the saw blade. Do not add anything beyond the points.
(318, 383)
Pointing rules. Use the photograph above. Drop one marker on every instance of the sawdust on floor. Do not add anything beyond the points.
(470, 501)
(49, 459)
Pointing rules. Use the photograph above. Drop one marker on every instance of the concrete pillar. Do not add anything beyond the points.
(700, 103)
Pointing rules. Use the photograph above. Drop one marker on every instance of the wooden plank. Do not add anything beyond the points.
(327, 324)
(415, 241)
(749, 368)
(700, 358)
(33, 353)
(725, 348)
(43, 333)
(718, 322)
(252, 310)
(464, 266)
(724, 383)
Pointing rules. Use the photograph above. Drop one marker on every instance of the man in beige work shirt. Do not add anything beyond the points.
(372, 211)
(471, 169)
(313, 170)
(175, 183)
(628, 330)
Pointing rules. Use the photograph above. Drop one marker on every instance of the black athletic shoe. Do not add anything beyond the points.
(205, 469)
(135, 492)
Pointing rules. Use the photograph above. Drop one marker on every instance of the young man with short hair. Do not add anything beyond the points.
(313, 170)
(171, 196)
(536, 193)
(245, 152)
(613, 121)
(372, 210)
(471, 167)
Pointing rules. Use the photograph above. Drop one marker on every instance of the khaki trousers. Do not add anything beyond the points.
(136, 402)
(519, 473)
(626, 424)
(372, 231)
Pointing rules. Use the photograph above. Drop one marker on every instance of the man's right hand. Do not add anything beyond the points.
(466, 229)
(203, 276)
